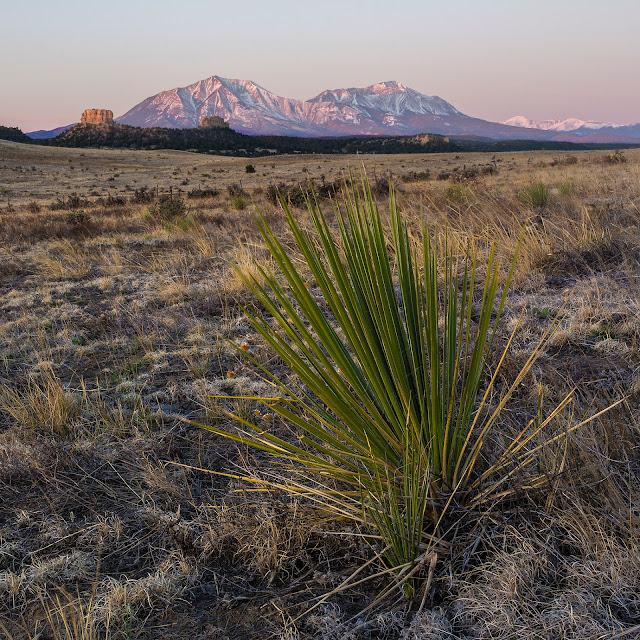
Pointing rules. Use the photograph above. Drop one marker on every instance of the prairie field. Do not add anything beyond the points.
(121, 316)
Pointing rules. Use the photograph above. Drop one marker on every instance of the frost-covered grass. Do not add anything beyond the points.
(115, 328)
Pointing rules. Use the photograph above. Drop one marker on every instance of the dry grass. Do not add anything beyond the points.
(68, 618)
(43, 403)
(244, 259)
(62, 260)
(115, 329)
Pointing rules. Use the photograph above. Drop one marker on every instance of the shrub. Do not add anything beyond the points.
(235, 189)
(167, 208)
(536, 195)
(294, 194)
(416, 176)
(617, 157)
(249, 169)
(202, 193)
(455, 192)
(239, 203)
(113, 201)
(470, 174)
(77, 218)
(567, 160)
(73, 201)
(381, 186)
(142, 195)
(389, 417)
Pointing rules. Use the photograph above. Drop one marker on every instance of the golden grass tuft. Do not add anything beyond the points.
(42, 403)
(62, 260)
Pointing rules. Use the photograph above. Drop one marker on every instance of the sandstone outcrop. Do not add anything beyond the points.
(97, 116)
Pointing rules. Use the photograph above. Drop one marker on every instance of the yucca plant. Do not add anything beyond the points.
(390, 397)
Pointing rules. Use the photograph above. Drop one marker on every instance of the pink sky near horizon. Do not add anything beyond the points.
(492, 60)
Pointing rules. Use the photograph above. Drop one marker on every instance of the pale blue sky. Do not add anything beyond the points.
(491, 59)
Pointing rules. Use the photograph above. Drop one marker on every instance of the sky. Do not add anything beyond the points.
(492, 59)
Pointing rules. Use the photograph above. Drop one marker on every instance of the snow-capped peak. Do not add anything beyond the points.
(389, 97)
(520, 121)
(568, 124)
(382, 87)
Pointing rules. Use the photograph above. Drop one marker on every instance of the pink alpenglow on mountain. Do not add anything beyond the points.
(576, 130)
(386, 108)
(568, 124)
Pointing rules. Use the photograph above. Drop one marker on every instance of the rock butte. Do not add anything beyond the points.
(213, 122)
(97, 116)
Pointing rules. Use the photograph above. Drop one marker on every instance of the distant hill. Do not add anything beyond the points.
(43, 134)
(14, 134)
(227, 141)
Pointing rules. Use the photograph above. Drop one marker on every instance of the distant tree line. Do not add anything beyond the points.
(224, 141)
(14, 134)
(227, 141)
(535, 145)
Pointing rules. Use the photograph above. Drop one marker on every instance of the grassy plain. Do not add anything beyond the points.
(114, 328)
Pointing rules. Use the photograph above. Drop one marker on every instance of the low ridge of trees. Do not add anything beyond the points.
(227, 141)
(14, 134)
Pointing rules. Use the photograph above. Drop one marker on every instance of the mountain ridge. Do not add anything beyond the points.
(579, 128)
(250, 108)
(386, 108)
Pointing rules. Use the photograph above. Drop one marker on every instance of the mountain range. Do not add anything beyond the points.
(578, 127)
(386, 108)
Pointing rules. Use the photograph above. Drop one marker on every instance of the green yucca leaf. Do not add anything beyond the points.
(387, 400)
